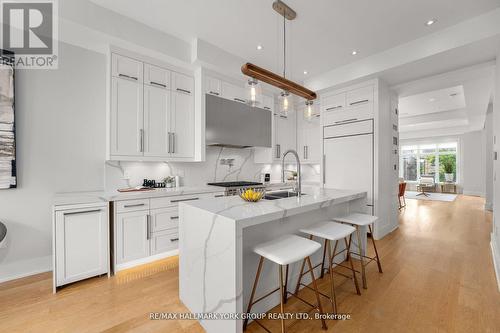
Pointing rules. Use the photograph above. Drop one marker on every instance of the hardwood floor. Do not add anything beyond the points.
(438, 277)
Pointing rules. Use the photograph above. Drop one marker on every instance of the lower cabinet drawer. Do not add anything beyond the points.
(164, 241)
(164, 219)
(353, 114)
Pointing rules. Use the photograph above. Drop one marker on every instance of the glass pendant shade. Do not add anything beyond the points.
(285, 103)
(254, 92)
(308, 112)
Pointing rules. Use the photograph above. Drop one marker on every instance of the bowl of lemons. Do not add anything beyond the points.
(252, 194)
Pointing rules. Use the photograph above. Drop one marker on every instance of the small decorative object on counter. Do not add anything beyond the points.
(169, 181)
(252, 194)
(177, 181)
(152, 184)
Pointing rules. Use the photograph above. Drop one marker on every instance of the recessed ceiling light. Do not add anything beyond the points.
(259, 47)
(354, 52)
(432, 99)
(430, 22)
(305, 72)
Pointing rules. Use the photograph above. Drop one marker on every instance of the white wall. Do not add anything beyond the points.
(60, 125)
(495, 236)
(474, 163)
(488, 127)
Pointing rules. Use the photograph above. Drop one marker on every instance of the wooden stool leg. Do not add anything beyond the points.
(348, 244)
(333, 297)
(257, 275)
(282, 303)
(376, 252)
(361, 258)
(285, 294)
(315, 286)
(323, 261)
(302, 271)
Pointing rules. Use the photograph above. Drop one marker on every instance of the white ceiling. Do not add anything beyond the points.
(321, 38)
(432, 101)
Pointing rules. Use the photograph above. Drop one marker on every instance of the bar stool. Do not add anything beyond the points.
(361, 220)
(284, 251)
(330, 232)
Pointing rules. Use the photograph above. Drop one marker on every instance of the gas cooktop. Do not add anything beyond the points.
(235, 184)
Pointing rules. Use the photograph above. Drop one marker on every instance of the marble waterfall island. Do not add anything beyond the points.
(217, 265)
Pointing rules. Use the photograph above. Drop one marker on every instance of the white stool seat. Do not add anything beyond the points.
(287, 249)
(357, 219)
(329, 230)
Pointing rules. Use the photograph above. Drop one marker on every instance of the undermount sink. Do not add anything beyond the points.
(281, 195)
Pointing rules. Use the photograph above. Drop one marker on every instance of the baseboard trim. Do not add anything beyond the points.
(473, 193)
(147, 260)
(496, 259)
(488, 206)
(21, 269)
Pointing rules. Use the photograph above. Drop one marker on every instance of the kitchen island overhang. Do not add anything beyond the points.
(216, 238)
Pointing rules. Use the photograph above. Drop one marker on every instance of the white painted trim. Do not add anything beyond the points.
(496, 259)
(474, 193)
(24, 268)
(146, 260)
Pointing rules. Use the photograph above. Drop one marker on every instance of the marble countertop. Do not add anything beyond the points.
(250, 213)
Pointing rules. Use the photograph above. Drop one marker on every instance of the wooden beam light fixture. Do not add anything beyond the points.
(276, 80)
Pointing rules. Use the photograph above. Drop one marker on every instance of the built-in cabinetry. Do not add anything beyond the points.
(147, 229)
(359, 129)
(309, 135)
(152, 115)
(80, 242)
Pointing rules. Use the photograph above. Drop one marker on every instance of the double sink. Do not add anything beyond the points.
(281, 195)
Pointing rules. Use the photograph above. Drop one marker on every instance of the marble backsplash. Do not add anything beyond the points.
(127, 174)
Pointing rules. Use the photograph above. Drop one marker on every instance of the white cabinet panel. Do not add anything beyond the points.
(164, 241)
(212, 86)
(308, 138)
(156, 76)
(126, 68)
(132, 238)
(164, 219)
(157, 107)
(183, 83)
(285, 134)
(268, 103)
(233, 92)
(334, 102)
(81, 244)
(359, 96)
(126, 118)
(182, 125)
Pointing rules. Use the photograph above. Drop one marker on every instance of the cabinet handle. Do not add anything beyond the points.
(173, 143)
(346, 121)
(169, 141)
(158, 84)
(183, 90)
(239, 100)
(180, 200)
(141, 133)
(324, 169)
(305, 155)
(267, 108)
(359, 102)
(334, 107)
(284, 117)
(174, 217)
(214, 93)
(174, 239)
(219, 195)
(278, 151)
(128, 76)
(134, 205)
(148, 226)
(83, 212)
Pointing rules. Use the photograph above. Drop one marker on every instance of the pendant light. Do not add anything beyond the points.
(253, 92)
(308, 112)
(284, 101)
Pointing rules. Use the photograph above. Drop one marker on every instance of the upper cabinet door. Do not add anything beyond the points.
(156, 76)
(183, 83)
(268, 103)
(157, 107)
(212, 86)
(233, 92)
(182, 127)
(126, 68)
(334, 103)
(127, 131)
(359, 96)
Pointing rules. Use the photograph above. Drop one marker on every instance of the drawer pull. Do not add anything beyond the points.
(158, 84)
(346, 121)
(180, 200)
(334, 107)
(127, 76)
(360, 102)
(135, 205)
(174, 217)
(267, 108)
(174, 239)
(214, 93)
(183, 90)
(219, 195)
(83, 212)
(239, 100)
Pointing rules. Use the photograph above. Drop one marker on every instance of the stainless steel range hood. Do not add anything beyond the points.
(236, 125)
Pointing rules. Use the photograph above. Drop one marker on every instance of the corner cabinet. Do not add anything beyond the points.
(152, 116)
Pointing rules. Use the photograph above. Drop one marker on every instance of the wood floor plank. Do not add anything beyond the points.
(438, 277)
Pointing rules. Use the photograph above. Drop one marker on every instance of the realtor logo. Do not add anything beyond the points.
(30, 30)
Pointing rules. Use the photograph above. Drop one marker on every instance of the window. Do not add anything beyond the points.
(437, 160)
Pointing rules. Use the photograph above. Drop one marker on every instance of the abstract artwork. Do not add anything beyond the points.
(7, 125)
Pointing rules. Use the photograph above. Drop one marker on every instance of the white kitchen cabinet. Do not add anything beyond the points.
(182, 127)
(157, 121)
(132, 236)
(127, 117)
(81, 246)
(164, 241)
(233, 92)
(126, 68)
(308, 138)
(360, 96)
(285, 135)
(212, 86)
(164, 219)
(182, 83)
(334, 102)
(157, 76)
